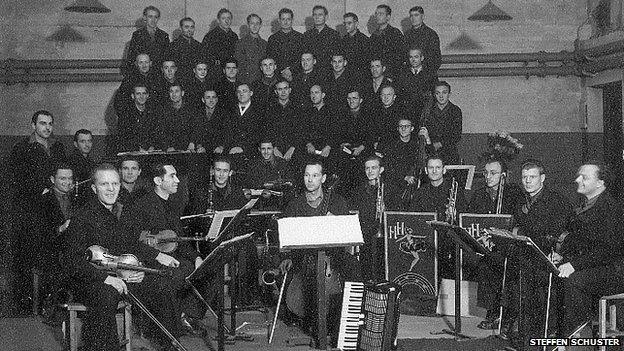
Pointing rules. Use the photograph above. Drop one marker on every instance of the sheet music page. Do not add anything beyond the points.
(217, 221)
(319, 231)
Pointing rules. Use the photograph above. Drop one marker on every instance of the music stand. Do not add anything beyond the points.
(213, 266)
(319, 233)
(537, 258)
(462, 238)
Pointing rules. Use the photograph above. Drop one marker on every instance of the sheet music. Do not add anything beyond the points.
(319, 231)
(219, 216)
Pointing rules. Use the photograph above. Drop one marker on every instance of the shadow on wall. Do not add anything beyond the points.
(308, 22)
(371, 24)
(110, 119)
(406, 24)
(243, 31)
(275, 25)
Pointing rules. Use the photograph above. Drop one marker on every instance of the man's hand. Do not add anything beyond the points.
(565, 270)
(198, 262)
(135, 277)
(201, 149)
(358, 150)
(310, 148)
(116, 283)
(325, 151)
(437, 145)
(555, 258)
(410, 179)
(289, 154)
(191, 147)
(278, 153)
(285, 266)
(167, 260)
(64, 226)
(236, 150)
(151, 149)
(170, 149)
(218, 150)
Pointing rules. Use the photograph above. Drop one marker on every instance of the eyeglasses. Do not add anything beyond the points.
(491, 173)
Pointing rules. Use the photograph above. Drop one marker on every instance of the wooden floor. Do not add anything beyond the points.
(30, 334)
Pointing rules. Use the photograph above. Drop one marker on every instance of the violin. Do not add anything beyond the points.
(123, 265)
(166, 240)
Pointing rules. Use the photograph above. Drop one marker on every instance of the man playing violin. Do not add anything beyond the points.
(155, 215)
(97, 224)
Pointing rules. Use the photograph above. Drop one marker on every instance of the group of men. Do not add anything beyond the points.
(296, 107)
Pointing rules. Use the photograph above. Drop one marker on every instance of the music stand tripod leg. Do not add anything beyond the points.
(321, 300)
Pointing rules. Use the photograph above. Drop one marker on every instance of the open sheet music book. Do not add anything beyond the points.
(319, 232)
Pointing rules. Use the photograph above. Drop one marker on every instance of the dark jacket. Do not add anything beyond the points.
(428, 41)
(286, 49)
(445, 126)
(358, 53)
(389, 44)
(322, 45)
(138, 129)
(141, 43)
(186, 53)
(595, 239)
(218, 46)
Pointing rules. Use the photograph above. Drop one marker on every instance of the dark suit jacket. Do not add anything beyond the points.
(153, 214)
(594, 238)
(141, 43)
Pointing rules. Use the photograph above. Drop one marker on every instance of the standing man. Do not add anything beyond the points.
(319, 131)
(372, 88)
(286, 45)
(415, 84)
(356, 46)
(82, 164)
(264, 87)
(423, 37)
(387, 42)
(177, 121)
(250, 50)
(149, 40)
(137, 124)
(592, 266)
(444, 124)
(132, 187)
(32, 161)
(321, 40)
(185, 50)
(226, 86)
(219, 44)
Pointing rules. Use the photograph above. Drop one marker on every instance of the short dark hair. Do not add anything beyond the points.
(381, 60)
(81, 131)
(315, 161)
(222, 11)
(533, 163)
(61, 165)
(418, 9)
(186, 19)
(442, 83)
(285, 10)
(252, 16)
(352, 15)
(266, 139)
(158, 169)
(238, 84)
(101, 168)
(230, 60)
(281, 80)
(140, 84)
(36, 115)
(129, 158)
(386, 8)
(151, 8)
(320, 7)
(317, 85)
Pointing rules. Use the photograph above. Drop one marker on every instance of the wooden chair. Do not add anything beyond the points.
(608, 330)
(71, 327)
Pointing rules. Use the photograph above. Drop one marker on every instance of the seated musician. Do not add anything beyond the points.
(153, 214)
(314, 202)
(367, 200)
(266, 173)
(55, 208)
(490, 271)
(96, 224)
(226, 195)
(435, 197)
(542, 216)
(593, 263)
(132, 186)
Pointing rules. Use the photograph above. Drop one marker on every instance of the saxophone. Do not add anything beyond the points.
(451, 210)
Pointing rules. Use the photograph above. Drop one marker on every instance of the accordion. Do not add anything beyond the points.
(370, 315)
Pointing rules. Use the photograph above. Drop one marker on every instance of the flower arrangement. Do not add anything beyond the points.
(501, 145)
